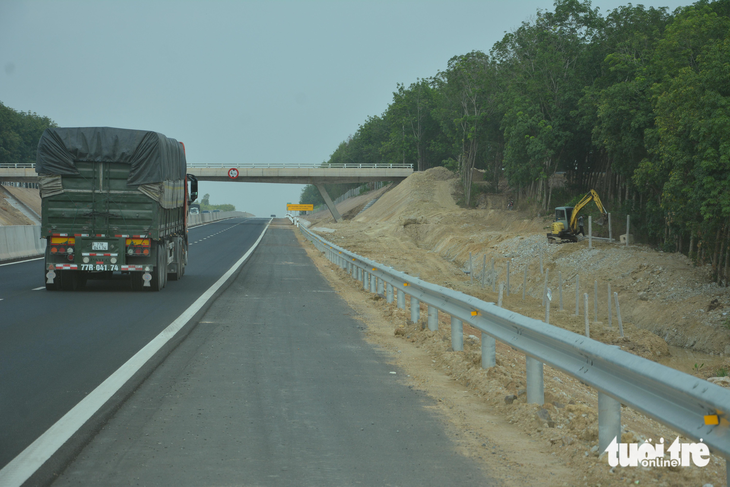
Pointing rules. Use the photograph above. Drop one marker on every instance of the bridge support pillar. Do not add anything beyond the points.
(329, 203)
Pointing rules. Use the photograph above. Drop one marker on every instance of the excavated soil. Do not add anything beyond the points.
(9, 213)
(671, 313)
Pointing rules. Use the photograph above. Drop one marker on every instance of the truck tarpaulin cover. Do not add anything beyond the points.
(154, 158)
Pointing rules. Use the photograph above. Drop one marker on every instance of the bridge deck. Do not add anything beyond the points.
(262, 173)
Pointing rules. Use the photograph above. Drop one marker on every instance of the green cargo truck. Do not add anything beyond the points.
(113, 201)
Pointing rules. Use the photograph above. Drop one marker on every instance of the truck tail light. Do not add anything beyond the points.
(138, 246)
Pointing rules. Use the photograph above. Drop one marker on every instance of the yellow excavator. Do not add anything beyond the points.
(565, 227)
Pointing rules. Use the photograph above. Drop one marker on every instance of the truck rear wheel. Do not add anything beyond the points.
(159, 274)
(179, 264)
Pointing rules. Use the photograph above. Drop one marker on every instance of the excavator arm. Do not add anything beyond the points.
(590, 196)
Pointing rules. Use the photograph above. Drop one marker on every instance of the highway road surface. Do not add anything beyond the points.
(56, 347)
(274, 386)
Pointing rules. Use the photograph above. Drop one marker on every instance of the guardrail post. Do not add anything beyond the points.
(373, 283)
(524, 284)
(610, 234)
(457, 335)
(484, 269)
(590, 232)
(609, 305)
(381, 286)
(365, 280)
(354, 271)
(489, 351)
(609, 421)
(618, 315)
(535, 385)
(389, 292)
(560, 289)
(433, 319)
(415, 309)
(401, 299)
(588, 328)
(507, 287)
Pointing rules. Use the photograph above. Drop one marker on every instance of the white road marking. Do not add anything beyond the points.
(15, 473)
(39, 288)
(21, 261)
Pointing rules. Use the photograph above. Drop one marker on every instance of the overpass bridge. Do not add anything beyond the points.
(299, 173)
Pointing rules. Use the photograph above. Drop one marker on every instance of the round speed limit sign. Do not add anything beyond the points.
(233, 173)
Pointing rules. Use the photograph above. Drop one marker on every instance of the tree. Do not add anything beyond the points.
(411, 125)
(617, 107)
(544, 67)
(467, 102)
(19, 135)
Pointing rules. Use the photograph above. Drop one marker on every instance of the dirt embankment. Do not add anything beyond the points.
(671, 314)
(416, 227)
(12, 211)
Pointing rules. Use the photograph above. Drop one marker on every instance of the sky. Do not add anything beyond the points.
(240, 81)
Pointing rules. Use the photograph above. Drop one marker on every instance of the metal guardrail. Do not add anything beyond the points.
(675, 399)
(254, 165)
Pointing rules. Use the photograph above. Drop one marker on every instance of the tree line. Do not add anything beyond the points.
(634, 104)
(19, 135)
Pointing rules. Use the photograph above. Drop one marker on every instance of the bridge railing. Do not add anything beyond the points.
(17, 165)
(694, 407)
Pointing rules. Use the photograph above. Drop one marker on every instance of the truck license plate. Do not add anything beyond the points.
(99, 245)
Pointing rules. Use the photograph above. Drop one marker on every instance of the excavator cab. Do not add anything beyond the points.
(565, 226)
(562, 217)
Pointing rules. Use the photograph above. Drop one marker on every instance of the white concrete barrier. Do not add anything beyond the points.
(21, 242)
